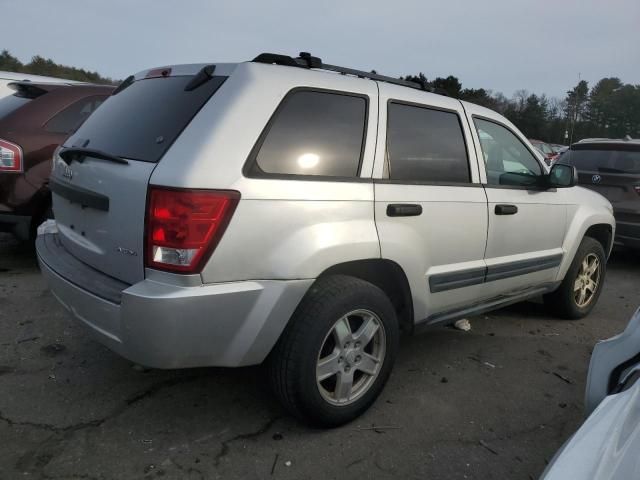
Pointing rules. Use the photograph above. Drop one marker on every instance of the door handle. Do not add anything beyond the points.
(403, 210)
(506, 209)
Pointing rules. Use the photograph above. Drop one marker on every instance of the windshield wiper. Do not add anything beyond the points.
(80, 153)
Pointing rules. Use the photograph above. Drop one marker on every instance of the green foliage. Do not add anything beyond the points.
(45, 66)
(610, 109)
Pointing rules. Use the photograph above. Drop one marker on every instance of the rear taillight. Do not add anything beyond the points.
(10, 157)
(637, 189)
(183, 227)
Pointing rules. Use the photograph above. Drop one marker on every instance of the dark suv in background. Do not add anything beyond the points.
(33, 122)
(612, 168)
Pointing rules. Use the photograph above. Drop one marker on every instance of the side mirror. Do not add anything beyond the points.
(563, 176)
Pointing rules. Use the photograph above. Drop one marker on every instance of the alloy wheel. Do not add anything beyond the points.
(351, 357)
(587, 280)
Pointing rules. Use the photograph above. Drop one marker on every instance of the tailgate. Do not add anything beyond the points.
(101, 174)
(100, 209)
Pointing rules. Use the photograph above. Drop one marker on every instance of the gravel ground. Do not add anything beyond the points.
(494, 402)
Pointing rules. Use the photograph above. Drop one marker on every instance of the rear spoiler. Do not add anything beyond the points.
(27, 89)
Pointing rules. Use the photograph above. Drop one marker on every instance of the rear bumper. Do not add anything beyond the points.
(162, 325)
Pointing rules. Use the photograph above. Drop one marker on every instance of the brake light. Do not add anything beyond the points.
(158, 72)
(183, 227)
(10, 157)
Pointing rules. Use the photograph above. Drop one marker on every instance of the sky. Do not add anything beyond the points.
(542, 46)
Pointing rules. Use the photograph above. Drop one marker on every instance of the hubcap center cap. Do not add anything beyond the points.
(352, 356)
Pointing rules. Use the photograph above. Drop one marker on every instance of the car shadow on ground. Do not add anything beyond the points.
(624, 257)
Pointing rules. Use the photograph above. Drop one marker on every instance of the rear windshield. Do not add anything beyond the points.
(10, 104)
(603, 161)
(143, 120)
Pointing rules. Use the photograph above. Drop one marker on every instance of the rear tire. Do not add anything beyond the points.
(579, 291)
(335, 356)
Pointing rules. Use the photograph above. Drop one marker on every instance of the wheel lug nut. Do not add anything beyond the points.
(347, 368)
(358, 358)
(357, 344)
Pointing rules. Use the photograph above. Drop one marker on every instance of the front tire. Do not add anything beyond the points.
(579, 291)
(336, 354)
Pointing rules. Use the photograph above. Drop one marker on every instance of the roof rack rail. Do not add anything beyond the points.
(306, 60)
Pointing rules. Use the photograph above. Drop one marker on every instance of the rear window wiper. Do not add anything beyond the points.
(204, 75)
(80, 153)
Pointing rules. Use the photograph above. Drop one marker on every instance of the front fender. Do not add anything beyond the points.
(582, 217)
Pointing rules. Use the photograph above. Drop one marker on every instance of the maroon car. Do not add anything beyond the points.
(33, 122)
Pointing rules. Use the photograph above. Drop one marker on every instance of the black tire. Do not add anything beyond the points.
(292, 363)
(562, 302)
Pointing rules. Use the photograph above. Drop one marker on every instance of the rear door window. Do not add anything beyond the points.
(69, 119)
(425, 145)
(143, 120)
(314, 133)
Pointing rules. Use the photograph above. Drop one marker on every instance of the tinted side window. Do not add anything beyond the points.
(507, 160)
(69, 119)
(315, 133)
(425, 145)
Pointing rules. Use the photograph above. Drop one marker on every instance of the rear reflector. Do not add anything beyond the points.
(10, 157)
(183, 227)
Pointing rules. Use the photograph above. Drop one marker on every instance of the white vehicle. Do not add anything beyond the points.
(300, 213)
(607, 445)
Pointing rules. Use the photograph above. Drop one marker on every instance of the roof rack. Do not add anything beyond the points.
(306, 60)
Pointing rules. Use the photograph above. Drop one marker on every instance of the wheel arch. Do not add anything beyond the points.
(586, 221)
(389, 277)
(603, 233)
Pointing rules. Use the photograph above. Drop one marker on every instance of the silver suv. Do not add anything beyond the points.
(299, 214)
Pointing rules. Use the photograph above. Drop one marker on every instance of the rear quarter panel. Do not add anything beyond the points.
(282, 228)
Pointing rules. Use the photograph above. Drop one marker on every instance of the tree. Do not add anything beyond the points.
(45, 66)
(480, 96)
(8, 62)
(451, 85)
(577, 103)
(420, 79)
(601, 112)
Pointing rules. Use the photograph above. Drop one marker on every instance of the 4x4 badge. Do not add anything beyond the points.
(67, 172)
(596, 179)
(127, 251)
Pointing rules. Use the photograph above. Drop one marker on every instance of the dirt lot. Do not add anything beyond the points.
(495, 402)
